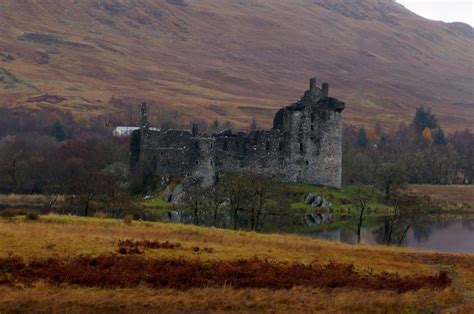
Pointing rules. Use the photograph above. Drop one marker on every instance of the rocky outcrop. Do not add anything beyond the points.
(317, 201)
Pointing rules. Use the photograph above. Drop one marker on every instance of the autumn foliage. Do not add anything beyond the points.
(110, 271)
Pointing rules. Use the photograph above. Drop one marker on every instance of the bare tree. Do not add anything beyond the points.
(361, 199)
(238, 190)
(407, 211)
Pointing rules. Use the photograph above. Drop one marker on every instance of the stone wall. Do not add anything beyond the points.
(304, 146)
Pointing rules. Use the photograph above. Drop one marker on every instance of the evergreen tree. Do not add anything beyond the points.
(362, 140)
(424, 119)
(57, 131)
(439, 137)
(215, 127)
(227, 125)
(253, 126)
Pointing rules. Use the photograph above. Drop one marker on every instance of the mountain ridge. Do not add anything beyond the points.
(207, 60)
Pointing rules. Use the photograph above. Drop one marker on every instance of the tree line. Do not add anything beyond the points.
(91, 168)
(416, 152)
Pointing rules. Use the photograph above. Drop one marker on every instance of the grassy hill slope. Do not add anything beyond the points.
(233, 59)
(57, 240)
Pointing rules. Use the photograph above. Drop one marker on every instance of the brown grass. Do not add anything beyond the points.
(456, 195)
(65, 238)
(17, 199)
(46, 298)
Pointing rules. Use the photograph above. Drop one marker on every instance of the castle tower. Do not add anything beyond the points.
(313, 127)
(313, 84)
(325, 90)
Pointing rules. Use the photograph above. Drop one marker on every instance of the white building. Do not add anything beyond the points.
(124, 130)
(128, 130)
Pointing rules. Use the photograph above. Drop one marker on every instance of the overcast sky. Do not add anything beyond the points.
(442, 10)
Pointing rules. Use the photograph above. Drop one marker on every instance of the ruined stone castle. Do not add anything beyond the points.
(304, 146)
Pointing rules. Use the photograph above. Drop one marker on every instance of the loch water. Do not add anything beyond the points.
(454, 235)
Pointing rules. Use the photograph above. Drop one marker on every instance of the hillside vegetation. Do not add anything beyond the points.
(88, 264)
(231, 60)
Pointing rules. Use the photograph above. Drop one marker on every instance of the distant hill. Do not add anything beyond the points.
(233, 59)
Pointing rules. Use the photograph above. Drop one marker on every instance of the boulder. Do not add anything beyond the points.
(317, 202)
(178, 195)
(326, 204)
(168, 195)
(310, 198)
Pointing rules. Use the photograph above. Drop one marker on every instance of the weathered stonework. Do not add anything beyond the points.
(304, 146)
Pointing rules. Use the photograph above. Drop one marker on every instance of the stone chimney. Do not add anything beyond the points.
(325, 90)
(312, 84)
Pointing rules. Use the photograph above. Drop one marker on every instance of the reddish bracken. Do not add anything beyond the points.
(131, 271)
(132, 247)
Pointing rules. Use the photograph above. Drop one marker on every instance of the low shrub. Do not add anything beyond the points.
(128, 219)
(108, 271)
(31, 216)
(131, 247)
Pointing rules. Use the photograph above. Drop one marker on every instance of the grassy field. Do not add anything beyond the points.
(63, 241)
(451, 195)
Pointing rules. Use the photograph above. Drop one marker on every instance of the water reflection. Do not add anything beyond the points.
(456, 236)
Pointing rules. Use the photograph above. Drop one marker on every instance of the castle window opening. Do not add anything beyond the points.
(312, 127)
(267, 146)
(225, 146)
(307, 162)
(280, 146)
(301, 147)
